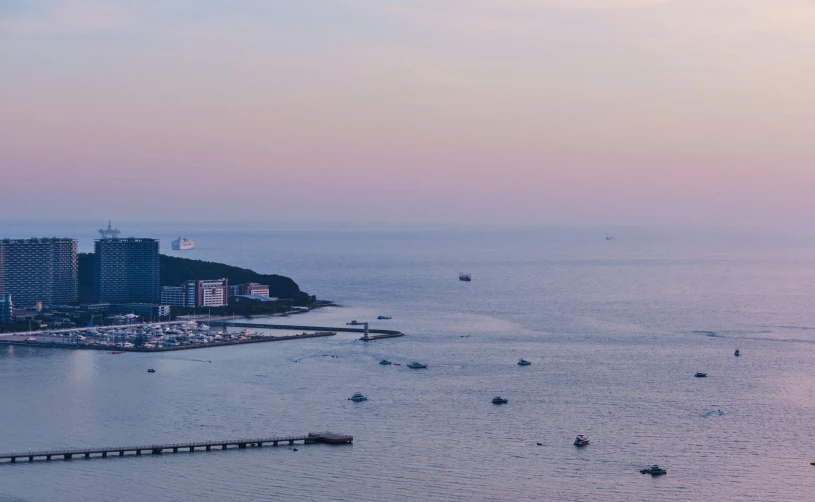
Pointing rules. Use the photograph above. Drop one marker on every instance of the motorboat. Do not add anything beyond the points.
(654, 470)
(523, 362)
(384, 317)
(499, 400)
(737, 353)
(700, 375)
(357, 398)
(465, 276)
(385, 362)
(416, 366)
(151, 370)
(581, 440)
(353, 323)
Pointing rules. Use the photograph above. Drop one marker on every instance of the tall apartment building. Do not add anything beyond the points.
(33, 270)
(126, 270)
(208, 293)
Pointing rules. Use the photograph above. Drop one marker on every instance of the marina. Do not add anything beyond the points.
(157, 449)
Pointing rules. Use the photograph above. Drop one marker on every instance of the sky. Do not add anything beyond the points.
(540, 112)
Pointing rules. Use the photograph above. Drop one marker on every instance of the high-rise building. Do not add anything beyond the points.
(44, 270)
(126, 270)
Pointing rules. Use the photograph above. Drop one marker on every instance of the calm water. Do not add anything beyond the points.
(615, 331)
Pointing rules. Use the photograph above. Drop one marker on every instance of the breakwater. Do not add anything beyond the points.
(374, 334)
(159, 448)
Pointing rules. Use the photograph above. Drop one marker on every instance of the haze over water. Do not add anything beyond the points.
(615, 331)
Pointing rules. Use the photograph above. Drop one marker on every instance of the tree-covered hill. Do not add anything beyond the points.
(174, 271)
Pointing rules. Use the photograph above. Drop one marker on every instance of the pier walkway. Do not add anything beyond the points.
(156, 449)
(376, 333)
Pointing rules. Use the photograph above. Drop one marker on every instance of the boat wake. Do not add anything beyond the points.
(706, 333)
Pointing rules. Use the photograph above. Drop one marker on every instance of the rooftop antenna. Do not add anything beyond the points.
(109, 233)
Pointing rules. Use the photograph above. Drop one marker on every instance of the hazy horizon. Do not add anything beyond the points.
(476, 112)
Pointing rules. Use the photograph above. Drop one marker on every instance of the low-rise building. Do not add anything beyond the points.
(250, 288)
(191, 294)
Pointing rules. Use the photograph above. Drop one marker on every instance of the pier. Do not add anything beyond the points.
(372, 334)
(158, 449)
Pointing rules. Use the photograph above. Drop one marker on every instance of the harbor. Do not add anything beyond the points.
(157, 449)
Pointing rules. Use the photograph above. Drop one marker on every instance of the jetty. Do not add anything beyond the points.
(157, 449)
(368, 334)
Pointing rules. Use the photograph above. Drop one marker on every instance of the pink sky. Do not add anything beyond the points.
(532, 111)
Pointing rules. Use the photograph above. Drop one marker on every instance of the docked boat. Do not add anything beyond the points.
(183, 244)
(353, 323)
(654, 470)
(385, 362)
(357, 397)
(737, 353)
(384, 317)
(416, 366)
(118, 352)
(466, 277)
(581, 440)
(499, 400)
(151, 370)
(523, 362)
(700, 375)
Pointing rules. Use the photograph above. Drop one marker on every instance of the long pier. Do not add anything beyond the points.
(377, 333)
(157, 449)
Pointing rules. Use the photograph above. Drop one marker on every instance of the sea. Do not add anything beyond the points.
(615, 331)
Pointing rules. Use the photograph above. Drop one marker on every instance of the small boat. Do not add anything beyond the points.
(416, 366)
(737, 353)
(466, 277)
(654, 470)
(700, 375)
(385, 362)
(581, 440)
(353, 323)
(523, 362)
(384, 317)
(118, 352)
(357, 398)
(499, 400)
(610, 238)
(151, 370)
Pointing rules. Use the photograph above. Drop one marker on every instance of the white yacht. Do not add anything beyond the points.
(581, 440)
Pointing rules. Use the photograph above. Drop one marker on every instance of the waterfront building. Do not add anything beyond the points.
(213, 293)
(6, 310)
(126, 270)
(39, 270)
(174, 295)
(250, 288)
(191, 294)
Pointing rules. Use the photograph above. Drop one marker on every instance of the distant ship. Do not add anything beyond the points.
(465, 277)
(182, 244)
(610, 238)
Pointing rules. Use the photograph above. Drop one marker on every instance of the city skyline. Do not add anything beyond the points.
(674, 112)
